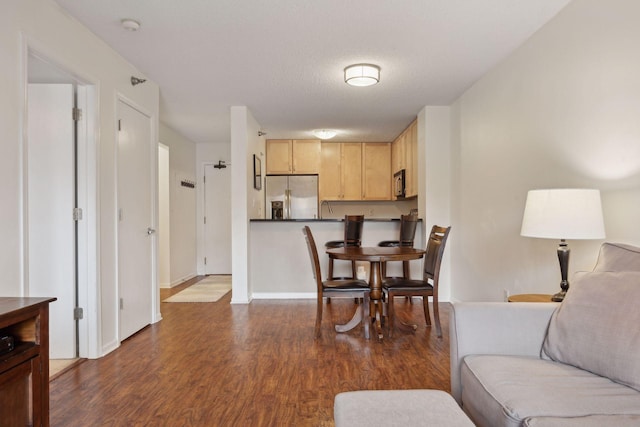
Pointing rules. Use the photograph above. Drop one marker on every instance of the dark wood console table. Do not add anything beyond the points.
(24, 371)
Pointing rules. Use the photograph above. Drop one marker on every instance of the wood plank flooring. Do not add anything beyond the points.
(217, 364)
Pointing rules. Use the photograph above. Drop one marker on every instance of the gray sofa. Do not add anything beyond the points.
(571, 364)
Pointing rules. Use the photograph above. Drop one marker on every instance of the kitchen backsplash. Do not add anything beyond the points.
(370, 209)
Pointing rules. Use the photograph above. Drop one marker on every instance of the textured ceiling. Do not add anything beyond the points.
(284, 59)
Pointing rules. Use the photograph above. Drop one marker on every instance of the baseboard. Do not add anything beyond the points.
(284, 295)
(182, 280)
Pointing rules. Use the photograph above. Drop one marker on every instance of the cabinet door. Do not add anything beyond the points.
(278, 156)
(330, 182)
(306, 156)
(398, 153)
(376, 171)
(351, 171)
(411, 156)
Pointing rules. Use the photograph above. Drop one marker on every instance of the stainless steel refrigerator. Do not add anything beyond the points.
(298, 194)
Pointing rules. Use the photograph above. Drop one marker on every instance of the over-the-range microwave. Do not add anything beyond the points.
(398, 183)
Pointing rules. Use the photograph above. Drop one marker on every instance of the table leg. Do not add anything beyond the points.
(357, 318)
(375, 282)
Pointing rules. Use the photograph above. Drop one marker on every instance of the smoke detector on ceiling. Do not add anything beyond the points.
(130, 24)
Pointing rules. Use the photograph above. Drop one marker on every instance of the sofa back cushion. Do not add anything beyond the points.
(597, 326)
(618, 257)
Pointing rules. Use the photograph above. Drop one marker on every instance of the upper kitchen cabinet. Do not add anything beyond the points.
(293, 157)
(404, 155)
(411, 173)
(376, 171)
(340, 171)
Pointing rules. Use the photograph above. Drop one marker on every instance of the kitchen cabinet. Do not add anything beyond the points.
(341, 171)
(376, 171)
(411, 156)
(404, 155)
(24, 369)
(292, 156)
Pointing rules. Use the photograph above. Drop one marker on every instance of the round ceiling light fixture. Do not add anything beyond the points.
(324, 133)
(362, 74)
(130, 24)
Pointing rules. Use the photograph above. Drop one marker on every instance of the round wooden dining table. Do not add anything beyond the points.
(376, 255)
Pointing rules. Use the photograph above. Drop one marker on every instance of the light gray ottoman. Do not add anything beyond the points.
(369, 408)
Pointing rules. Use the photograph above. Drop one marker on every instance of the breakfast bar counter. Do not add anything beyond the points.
(280, 268)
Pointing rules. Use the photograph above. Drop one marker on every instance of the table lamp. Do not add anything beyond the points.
(563, 214)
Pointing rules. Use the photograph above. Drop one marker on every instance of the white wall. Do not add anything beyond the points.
(164, 218)
(182, 166)
(246, 202)
(434, 183)
(42, 26)
(562, 111)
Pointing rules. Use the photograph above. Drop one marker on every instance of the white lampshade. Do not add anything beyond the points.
(563, 214)
(362, 74)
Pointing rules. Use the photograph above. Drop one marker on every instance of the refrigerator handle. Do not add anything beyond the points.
(287, 204)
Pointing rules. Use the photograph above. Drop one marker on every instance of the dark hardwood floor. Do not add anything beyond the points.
(217, 364)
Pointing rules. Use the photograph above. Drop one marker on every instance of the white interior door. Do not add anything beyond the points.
(217, 228)
(135, 220)
(50, 202)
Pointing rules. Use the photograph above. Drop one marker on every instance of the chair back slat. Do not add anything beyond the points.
(408, 224)
(435, 250)
(353, 230)
(313, 256)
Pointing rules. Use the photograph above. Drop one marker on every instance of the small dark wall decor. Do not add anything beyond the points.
(257, 173)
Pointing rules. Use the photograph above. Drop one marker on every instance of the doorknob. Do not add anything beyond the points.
(150, 231)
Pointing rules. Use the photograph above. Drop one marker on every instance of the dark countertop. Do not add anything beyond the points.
(327, 220)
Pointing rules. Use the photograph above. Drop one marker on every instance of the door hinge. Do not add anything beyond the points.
(205, 219)
(205, 260)
(121, 304)
(78, 313)
(77, 114)
(119, 125)
(77, 214)
(204, 179)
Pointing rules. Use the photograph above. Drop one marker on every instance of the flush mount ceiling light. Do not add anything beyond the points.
(130, 25)
(362, 74)
(324, 133)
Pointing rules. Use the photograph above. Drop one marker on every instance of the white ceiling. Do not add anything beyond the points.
(284, 59)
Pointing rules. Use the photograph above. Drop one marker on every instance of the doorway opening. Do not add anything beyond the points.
(59, 202)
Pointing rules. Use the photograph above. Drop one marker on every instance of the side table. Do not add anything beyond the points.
(530, 298)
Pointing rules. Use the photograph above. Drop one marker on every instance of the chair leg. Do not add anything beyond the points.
(366, 316)
(436, 316)
(425, 304)
(318, 316)
(390, 312)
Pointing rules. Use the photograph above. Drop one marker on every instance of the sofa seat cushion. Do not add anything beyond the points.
(588, 421)
(504, 390)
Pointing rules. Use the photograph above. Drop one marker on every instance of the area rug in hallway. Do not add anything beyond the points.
(210, 289)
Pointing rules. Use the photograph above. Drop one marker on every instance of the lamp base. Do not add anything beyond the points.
(559, 297)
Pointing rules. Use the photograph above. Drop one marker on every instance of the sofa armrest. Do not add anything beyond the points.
(495, 328)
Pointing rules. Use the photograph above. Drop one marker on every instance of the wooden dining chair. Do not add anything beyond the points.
(408, 225)
(427, 287)
(352, 237)
(336, 288)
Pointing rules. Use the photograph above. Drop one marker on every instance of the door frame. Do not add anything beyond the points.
(88, 334)
(154, 291)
